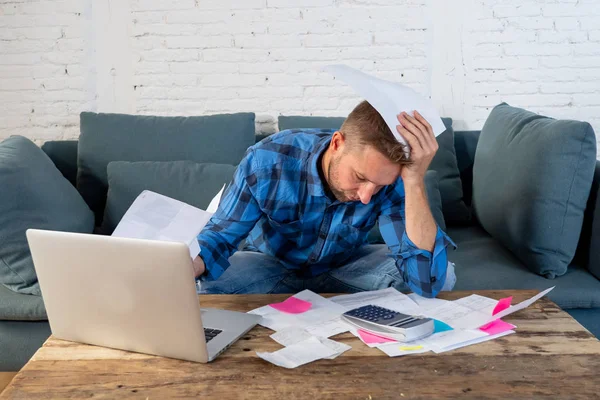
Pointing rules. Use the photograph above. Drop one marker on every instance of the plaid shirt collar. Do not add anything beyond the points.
(315, 184)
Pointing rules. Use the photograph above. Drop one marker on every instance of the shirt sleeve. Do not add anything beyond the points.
(235, 217)
(423, 271)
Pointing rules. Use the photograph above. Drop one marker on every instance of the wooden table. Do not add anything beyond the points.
(550, 356)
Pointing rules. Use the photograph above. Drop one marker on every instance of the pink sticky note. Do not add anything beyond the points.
(371, 338)
(502, 305)
(292, 306)
(496, 327)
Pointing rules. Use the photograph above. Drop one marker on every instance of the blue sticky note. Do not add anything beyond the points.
(439, 326)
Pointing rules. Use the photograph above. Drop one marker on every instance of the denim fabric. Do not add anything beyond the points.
(279, 204)
(370, 269)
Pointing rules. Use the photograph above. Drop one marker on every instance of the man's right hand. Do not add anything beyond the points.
(199, 266)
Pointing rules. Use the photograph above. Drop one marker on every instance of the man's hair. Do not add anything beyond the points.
(365, 126)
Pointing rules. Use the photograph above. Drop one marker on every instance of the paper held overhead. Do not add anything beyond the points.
(388, 98)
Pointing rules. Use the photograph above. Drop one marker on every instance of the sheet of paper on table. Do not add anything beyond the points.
(308, 350)
(153, 216)
(322, 319)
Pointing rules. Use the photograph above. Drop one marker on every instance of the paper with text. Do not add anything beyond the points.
(471, 342)
(388, 298)
(153, 216)
(322, 311)
(290, 336)
(298, 354)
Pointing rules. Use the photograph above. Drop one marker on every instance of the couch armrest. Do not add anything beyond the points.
(592, 218)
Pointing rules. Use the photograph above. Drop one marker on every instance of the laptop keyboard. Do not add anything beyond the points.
(211, 333)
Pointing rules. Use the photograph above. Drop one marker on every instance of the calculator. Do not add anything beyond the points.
(390, 323)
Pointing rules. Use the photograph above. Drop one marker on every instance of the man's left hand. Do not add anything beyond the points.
(423, 146)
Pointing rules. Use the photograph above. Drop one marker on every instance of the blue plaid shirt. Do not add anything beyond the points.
(277, 201)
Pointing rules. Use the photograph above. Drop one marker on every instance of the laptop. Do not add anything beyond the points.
(129, 294)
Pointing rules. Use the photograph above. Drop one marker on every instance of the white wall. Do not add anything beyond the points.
(191, 57)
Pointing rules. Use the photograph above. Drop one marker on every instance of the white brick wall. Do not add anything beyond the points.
(42, 68)
(190, 57)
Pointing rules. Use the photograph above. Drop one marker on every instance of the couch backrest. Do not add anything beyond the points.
(64, 154)
(465, 143)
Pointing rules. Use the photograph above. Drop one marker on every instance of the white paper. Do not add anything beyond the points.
(441, 342)
(338, 347)
(326, 329)
(452, 338)
(388, 98)
(480, 339)
(214, 203)
(478, 303)
(153, 216)
(290, 336)
(298, 354)
(427, 303)
(388, 298)
(520, 306)
(457, 316)
(322, 311)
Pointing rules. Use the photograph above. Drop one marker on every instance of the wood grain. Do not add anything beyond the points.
(550, 356)
(5, 378)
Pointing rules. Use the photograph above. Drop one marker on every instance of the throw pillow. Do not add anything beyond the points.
(445, 163)
(187, 181)
(221, 139)
(531, 181)
(34, 195)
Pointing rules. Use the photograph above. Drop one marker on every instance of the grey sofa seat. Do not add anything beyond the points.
(23, 328)
(483, 263)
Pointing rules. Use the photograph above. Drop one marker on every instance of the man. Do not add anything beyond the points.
(305, 201)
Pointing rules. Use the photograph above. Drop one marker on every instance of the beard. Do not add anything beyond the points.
(333, 181)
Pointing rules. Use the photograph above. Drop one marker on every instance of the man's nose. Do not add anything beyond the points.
(365, 192)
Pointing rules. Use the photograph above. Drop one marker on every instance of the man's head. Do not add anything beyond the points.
(363, 156)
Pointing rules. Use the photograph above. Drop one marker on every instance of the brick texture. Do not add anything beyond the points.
(191, 57)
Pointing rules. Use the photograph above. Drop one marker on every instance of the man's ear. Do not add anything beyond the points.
(338, 141)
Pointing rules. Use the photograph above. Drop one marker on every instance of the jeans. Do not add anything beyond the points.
(370, 269)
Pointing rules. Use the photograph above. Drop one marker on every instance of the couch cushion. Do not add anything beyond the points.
(531, 182)
(104, 138)
(34, 195)
(19, 341)
(483, 263)
(465, 143)
(21, 307)
(298, 122)
(193, 183)
(454, 209)
(591, 230)
(435, 203)
(63, 154)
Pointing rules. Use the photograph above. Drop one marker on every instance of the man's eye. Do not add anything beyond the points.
(359, 178)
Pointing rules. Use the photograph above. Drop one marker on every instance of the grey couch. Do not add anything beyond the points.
(481, 261)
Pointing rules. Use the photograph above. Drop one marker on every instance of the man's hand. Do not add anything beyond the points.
(199, 266)
(423, 146)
